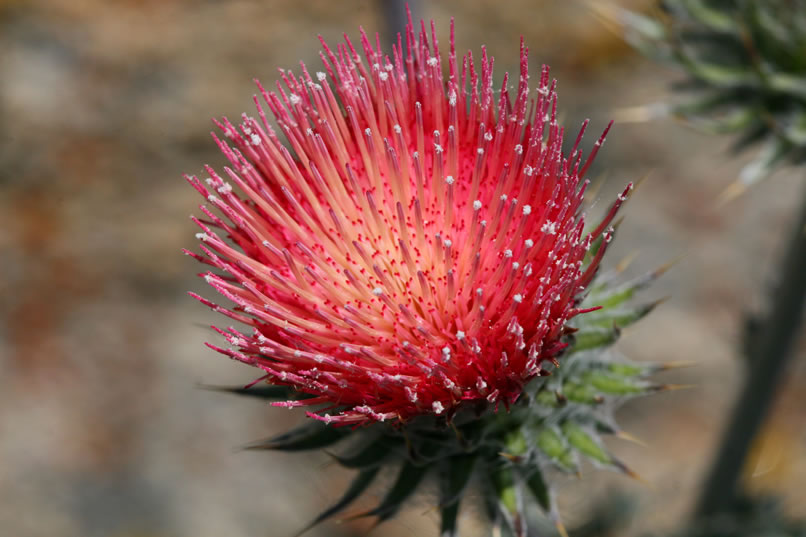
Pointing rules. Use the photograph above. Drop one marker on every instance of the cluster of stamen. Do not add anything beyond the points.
(419, 244)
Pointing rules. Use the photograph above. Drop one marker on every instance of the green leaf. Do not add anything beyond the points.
(361, 482)
(408, 479)
(312, 435)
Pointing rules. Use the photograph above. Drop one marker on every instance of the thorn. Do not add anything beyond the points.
(641, 114)
(661, 270)
(676, 365)
(623, 435)
(733, 191)
(560, 528)
(640, 182)
(626, 261)
(596, 186)
(510, 457)
(671, 387)
(630, 473)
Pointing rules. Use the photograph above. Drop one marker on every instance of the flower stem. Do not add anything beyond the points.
(769, 346)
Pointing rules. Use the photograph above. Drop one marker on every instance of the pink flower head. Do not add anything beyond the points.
(418, 244)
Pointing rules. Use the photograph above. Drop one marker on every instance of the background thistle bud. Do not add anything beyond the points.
(420, 257)
(744, 64)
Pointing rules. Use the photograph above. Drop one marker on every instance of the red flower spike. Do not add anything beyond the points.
(418, 246)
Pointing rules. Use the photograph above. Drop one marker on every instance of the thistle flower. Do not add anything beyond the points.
(418, 254)
(420, 245)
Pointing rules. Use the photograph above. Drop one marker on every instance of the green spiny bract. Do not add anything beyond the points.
(745, 62)
(507, 455)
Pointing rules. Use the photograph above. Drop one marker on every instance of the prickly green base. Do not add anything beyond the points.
(557, 422)
(744, 60)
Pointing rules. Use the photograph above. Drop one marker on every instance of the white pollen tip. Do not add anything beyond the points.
(321, 76)
(527, 209)
(266, 244)
(518, 298)
(294, 98)
(397, 129)
(255, 139)
(480, 151)
(476, 205)
(437, 148)
(201, 236)
(449, 179)
(488, 136)
(377, 291)
(503, 197)
(460, 335)
(226, 188)
(432, 61)
(384, 76)
(446, 350)
(507, 253)
(519, 149)
(529, 243)
(516, 265)
(212, 199)
(447, 243)
(367, 131)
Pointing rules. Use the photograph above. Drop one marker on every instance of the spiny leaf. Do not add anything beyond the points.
(370, 455)
(614, 296)
(454, 481)
(312, 435)
(585, 443)
(710, 18)
(583, 394)
(588, 445)
(614, 385)
(265, 391)
(539, 488)
(594, 337)
(620, 317)
(408, 479)
(361, 482)
(504, 485)
(554, 446)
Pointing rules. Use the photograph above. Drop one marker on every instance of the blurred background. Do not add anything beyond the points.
(103, 428)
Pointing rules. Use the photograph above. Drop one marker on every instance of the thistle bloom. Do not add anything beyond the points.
(418, 245)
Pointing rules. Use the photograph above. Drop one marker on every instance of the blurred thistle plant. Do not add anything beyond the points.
(414, 269)
(745, 63)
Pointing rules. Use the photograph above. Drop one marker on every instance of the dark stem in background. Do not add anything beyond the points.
(769, 347)
(395, 18)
